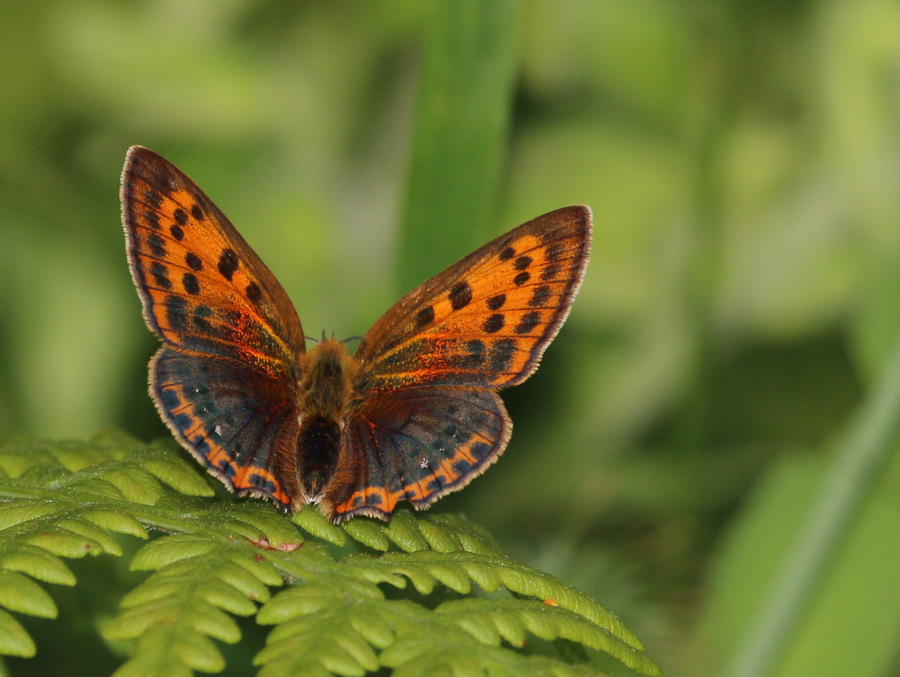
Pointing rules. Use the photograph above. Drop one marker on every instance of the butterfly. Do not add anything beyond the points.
(412, 415)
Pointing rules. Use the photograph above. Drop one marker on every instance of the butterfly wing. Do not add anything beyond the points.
(236, 424)
(487, 319)
(416, 445)
(203, 288)
(225, 321)
(432, 421)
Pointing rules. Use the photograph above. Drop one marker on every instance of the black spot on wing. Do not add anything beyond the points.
(551, 272)
(254, 293)
(153, 198)
(170, 398)
(424, 317)
(480, 450)
(540, 296)
(152, 218)
(494, 323)
(176, 312)
(193, 261)
(157, 246)
(160, 275)
(522, 262)
(190, 283)
(528, 322)
(460, 295)
(501, 355)
(473, 357)
(228, 263)
(201, 317)
(461, 466)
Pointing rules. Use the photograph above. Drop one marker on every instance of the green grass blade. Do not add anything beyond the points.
(858, 458)
(460, 132)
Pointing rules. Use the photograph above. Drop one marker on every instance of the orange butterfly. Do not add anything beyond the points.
(412, 415)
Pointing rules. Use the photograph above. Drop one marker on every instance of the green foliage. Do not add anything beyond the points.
(423, 594)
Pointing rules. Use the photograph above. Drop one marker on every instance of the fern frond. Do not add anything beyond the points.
(174, 613)
(510, 620)
(323, 635)
(470, 609)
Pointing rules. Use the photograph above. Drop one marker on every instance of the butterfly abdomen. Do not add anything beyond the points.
(318, 449)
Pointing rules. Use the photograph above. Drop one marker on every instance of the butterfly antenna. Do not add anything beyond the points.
(352, 338)
(310, 338)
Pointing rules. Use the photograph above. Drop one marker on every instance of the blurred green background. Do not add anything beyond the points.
(743, 163)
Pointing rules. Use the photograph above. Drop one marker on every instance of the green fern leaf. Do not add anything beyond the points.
(37, 563)
(115, 521)
(14, 641)
(314, 523)
(218, 560)
(20, 593)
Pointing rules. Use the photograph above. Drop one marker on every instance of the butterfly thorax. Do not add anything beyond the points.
(326, 388)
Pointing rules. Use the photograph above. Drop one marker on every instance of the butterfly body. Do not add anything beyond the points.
(412, 415)
(328, 389)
